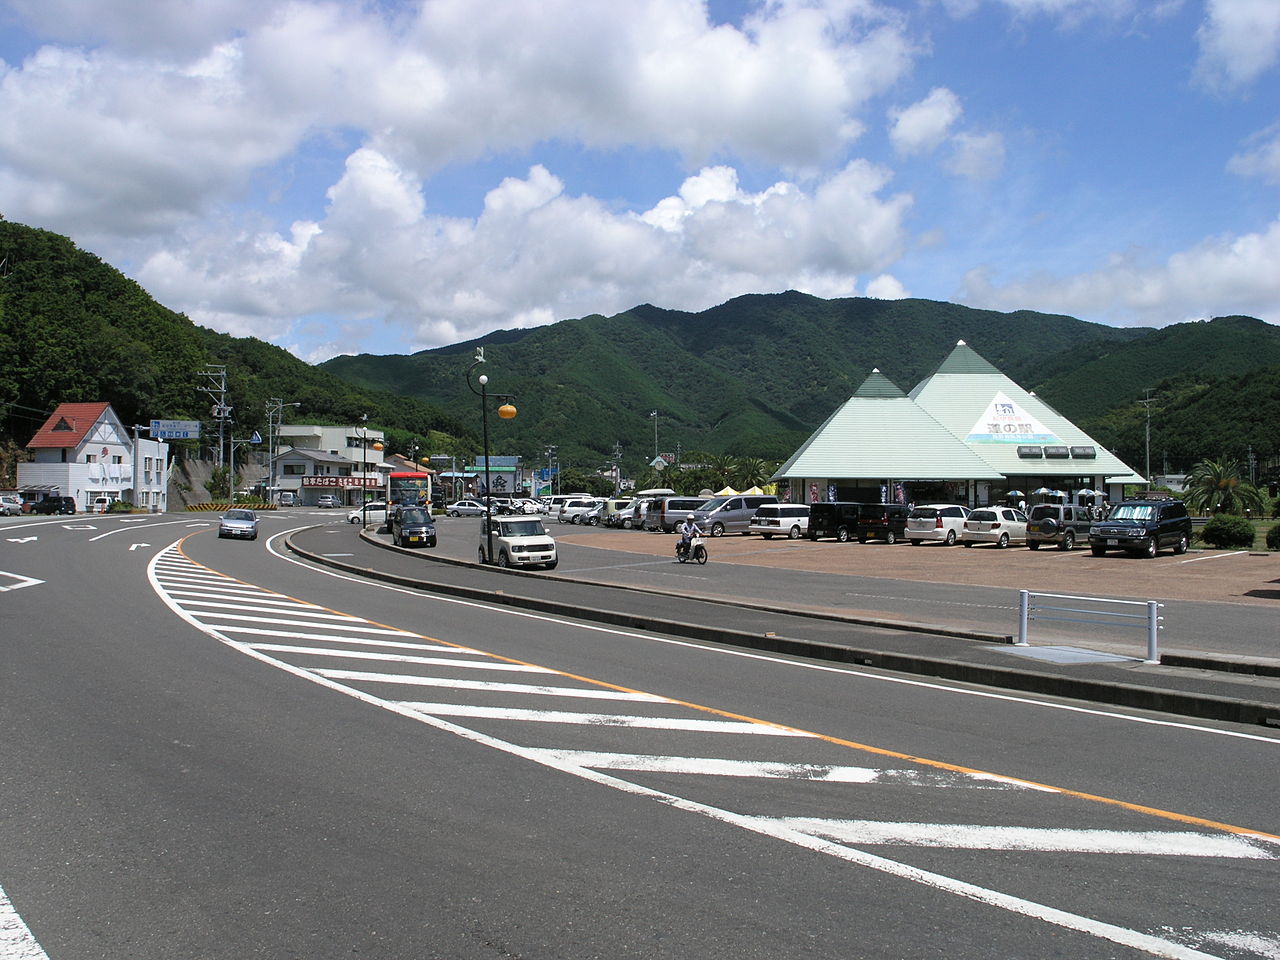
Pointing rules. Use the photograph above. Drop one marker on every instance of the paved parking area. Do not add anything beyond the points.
(1200, 575)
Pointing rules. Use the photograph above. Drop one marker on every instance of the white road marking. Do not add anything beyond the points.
(16, 939)
(21, 581)
(136, 546)
(401, 658)
(599, 719)
(306, 623)
(356, 641)
(772, 770)
(23, 539)
(1218, 556)
(962, 836)
(586, 693)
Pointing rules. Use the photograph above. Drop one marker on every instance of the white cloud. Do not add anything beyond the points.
(920, 127)
(1239, 41)
(532, 256)
(887, 287)
(1262, 158)
(1221, 276)
(977, 156)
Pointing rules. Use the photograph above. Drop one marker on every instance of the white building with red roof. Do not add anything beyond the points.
(83, 451)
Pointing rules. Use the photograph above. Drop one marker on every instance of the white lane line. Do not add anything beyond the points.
(598, 720)
(21, 581)
(401, 658)
(1220, 556)
(585, 693)
(770, 770)
(964, 836)
(166, 523)
(355, 641)
(240, 597)
(355, 626)
(296, 609)
(17, 942)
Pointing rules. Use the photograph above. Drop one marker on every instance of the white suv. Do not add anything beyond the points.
(10, 506)
(936, 521)
(575, 511)
(517, 542)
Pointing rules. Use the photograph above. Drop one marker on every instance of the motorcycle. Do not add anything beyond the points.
(694, 549)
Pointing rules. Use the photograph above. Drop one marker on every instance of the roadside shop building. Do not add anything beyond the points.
(965, 434)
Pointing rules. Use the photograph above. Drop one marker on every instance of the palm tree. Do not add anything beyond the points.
(751, 472)
(1215, 486)
(722, 466)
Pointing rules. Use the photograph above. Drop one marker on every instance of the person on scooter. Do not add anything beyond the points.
(688, 530)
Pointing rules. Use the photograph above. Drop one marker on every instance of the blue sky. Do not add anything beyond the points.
(345, 177)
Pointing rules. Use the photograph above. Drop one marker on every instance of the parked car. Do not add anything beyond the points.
(102, 504)
(10, 506)
(881, 521)
(999, 525)
(52, 505)
(783, 519)
(375, 511)
(412, 527)
(466, 508)
(616, 510)
(1063, 524)
(574, 511)
(936, 521)
(517, 542)
(1142, 527)
(239, 524)
(328, 500)
(834, 518)
(667, 513)
(721, 515)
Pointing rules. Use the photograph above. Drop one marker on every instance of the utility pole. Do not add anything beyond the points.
(217, 390)
(654, 415)
(1147, 403)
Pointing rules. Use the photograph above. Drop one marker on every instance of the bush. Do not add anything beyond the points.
(1228, 531)
(1273, 538)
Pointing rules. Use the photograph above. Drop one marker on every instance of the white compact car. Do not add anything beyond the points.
(517, 541)
(999, 525)
(943, 522)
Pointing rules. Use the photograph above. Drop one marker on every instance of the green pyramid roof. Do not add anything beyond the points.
(878, 385)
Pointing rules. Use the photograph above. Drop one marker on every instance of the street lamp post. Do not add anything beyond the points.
(275, 420)
(654, 415)
(364, 468)
(506, 412)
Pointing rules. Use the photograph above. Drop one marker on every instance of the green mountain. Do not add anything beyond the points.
(752, 376)
(73, 328)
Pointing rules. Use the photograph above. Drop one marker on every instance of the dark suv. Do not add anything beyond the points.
(837, 518)
(882, 521)
(51, 505)
(1142, 527)
(412, 527)
(1064, 524)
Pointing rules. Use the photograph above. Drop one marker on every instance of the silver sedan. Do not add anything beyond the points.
(241, 524)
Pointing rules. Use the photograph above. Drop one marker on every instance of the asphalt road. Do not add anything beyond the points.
(214, 750)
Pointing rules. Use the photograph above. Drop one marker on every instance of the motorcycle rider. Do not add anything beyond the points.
(688, 530)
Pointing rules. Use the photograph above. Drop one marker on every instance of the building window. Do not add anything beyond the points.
(90, 458)
(117, 459)
(295, 469)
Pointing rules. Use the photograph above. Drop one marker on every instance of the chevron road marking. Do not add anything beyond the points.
(204, 599)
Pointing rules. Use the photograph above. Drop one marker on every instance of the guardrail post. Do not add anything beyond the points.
(1153, 632)
(1024, 612)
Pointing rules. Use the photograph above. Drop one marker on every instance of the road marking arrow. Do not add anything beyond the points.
(22, 581)
(135, 546)
(22, 539)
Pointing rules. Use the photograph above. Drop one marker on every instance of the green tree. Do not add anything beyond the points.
(751, 472)
(1215, 486)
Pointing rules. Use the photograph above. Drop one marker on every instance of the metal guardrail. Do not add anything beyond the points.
(1031, 608)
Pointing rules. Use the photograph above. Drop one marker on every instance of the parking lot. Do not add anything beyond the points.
(1200, 575)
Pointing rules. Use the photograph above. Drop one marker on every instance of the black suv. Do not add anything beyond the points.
(412, 527)
(1142, 527)
(882, 521)
(837, 518)
(55, 505)
(1064, 524)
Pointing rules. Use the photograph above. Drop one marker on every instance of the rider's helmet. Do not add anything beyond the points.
(690, 517)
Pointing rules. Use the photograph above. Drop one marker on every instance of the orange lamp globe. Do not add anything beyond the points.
(506, 411)
(377, 445)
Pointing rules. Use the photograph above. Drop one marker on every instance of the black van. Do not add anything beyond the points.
(844, 520)
(882, 521)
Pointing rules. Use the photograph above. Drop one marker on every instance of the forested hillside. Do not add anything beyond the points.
(73, 328)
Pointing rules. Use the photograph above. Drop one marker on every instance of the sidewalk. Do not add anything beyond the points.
(1176, 685)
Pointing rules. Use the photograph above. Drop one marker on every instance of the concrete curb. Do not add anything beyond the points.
(1182, 703)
